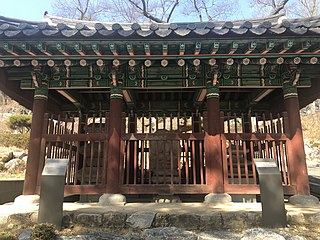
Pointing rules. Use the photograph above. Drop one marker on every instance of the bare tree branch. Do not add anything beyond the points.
(172, 10)
(145, 12)
(206, 10)
(195, 4)
(279, 7)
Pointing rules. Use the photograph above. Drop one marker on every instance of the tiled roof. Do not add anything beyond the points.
(60, 27)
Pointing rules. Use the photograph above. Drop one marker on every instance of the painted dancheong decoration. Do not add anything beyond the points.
(179, 108)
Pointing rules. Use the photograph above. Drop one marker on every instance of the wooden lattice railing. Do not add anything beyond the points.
(247, 137)
(83, 141)
(165, 154)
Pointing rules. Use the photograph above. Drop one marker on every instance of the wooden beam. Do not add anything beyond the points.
(286, 46)
(96, 49)
(215, 47)
(262, 94)
(130, 49)
(182, 49)
(28, 49)
(71, 98)
(269, 46)
(62, 49)
(252, 46)
(10, 49)
(147, 49)
(305, 45)
(234, 47)
(164, 49)
(113, 49)
(197, 48)
(79, 49)
(44, 49)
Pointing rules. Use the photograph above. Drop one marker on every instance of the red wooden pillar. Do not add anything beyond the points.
(38, 110)
(114, 144)
(296, 154)
(214, 167)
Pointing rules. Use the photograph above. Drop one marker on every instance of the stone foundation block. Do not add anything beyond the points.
(304, 200)
(295, 218)
(234, 220)
(114, 219)
(91, 220)
(67, 219)
(162, 220)
(185, 221)
(254, 219)
(26, 200)
(19, 218)
(112, 199)
(211, 221)
(140, 220)
(214, 198)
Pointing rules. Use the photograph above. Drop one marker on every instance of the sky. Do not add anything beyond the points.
(25, 9)
(33, 10)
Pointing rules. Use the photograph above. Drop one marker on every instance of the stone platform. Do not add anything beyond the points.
(189, 216)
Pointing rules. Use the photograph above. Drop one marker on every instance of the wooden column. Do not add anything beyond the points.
(38, 110)
(214, 168)
(114, 136)
(196, 128)
(132, 129)
(296, 154)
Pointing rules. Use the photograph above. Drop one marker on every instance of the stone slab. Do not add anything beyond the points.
(140, 220)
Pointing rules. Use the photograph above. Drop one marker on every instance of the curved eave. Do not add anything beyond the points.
(71, 29)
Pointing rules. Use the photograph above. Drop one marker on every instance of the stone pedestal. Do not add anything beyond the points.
(26, 200)
(304, 200)
(112, 199)
(215, 198)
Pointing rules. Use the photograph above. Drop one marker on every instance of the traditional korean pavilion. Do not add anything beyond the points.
(179, 108)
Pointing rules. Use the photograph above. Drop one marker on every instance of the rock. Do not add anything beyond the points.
(295, 218)
(162, 220)
(171, 233)
(213, 198)
(67, 219)
(185, 221)
(141, 220)
(218, 235)
(19, 218)
(261, 234)
(94, 236)
(290, 237)
(234, 220)
(254, 219)
(3, 219)
(34, 217)
(114, 219)
(211, 221)
(91, 220)
(23, 200)
(25, 235)
(315, 218)
(15, 165)
(112, 199)
(304, 200)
